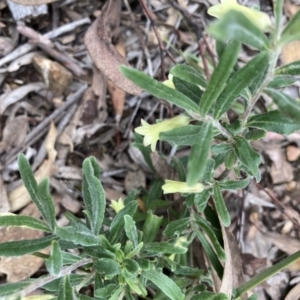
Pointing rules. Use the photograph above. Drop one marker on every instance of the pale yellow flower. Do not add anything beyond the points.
(117, 205)
(40, 297)
(169, 82)
(181, 242)
(172, 186)
(260, 19)
(151, 132)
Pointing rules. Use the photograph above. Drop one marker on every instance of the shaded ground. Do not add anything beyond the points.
(58, 108)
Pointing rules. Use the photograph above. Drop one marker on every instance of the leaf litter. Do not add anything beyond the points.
(55, 107)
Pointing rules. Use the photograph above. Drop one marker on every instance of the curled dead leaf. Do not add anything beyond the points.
(105, 55)
(33, 2)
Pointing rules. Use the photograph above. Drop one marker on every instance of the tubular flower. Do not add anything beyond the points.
(117, 205)
(169, 82)
(260, 19)
(151, 132)
(172, 186)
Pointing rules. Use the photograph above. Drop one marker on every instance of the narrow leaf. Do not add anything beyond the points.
(291, 32)
(79, 235)
(47, 202)
(235, 26)
(8, 289)
(181, 136)
(189, 74)
(229, 159)
(287, 105)
(93, 193)
(164, 283)
(176, 227)
(106, 291)
(65, 291)
(55, 262)
(234, 184)
(158, 89)
(219, 77)
(281, 81)
(23, 221)
(46, 209)
(255, 134)
(151, 227)
(164, 247)
(206, 227)
(201, 200)
(117, 225)
(240, 80)
(292, 69)
(22, 247)
(274, 121)
(190, 90)
(131, 230)
(107, 266)
(199, 154)
(211, 254)
(248, 157)
(221, 207)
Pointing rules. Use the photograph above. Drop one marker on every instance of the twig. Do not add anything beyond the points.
(162, 48)
(50, 35)
(42, 281)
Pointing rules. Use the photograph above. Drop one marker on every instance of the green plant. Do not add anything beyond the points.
(121, 256)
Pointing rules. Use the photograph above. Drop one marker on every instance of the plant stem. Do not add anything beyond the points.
(263, 276)
(42, 281)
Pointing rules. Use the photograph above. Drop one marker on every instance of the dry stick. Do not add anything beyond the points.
(162, 48)
(42, 128)
(50, 35)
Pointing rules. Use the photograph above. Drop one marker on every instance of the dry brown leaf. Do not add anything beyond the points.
(117, 95)
(105, 55)
(292, 153)
(14, 133)
(33, 2)
(6, 45)
(57, 77)
(294, 293)
(164, 171)
(4, 203)
(19, 197)
(135, 179)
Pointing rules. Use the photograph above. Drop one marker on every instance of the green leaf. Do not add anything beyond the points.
(188, 74)
(255, 85)
(151, 227)
(239, 81)
(22, 247)
(219, 77)
(131, 230)
(23, 221)
(159, 89)
(176, 227)
(221, 207)
(211, 254)
(287, 105)
(131, 266)
(255, 134)
(107, 266)
(181, 136)
(212, 237)
(135, 251)
(209, 170)
(235, 26)
(278, 15)
(274, 121)
(69, 258)
(248, 157)
(292, 69)
(190, 90)
(116, 294)
(229, 159)
(39, 194)
(117, 225)
(199, 154)
(165, 284)
(281, 81)
(221, 148)
(55, 261)
(93, 193)
(65, 291)
(291, 32)
(201, 200)
(164, 247)
(106, 291)
(234, 184)
(7, 289)
(79, 235)
(210, 296)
